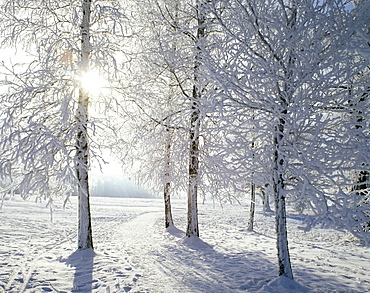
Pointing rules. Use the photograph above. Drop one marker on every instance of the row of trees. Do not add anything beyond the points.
(275, 93)
(239, 95)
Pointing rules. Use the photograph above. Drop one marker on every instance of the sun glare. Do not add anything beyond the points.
(92, 82)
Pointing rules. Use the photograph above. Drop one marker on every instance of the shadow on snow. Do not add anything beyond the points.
(200, 267)
(83, 262)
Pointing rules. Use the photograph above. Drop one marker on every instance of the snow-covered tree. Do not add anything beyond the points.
(46, 131)
(82, 144)
(171, 41)
(149, 126)
(290, 61)
(361, 111)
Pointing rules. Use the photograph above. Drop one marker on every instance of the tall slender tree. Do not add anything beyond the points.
(195, 120)
(177, 34)
(287, 61)
(167, 182)
(46, 131)
(82, 144)
(156, 103)
(361, 114)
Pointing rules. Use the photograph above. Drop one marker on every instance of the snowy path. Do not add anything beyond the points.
(168, 263)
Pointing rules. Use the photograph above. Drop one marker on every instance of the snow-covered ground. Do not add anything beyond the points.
(134, 253)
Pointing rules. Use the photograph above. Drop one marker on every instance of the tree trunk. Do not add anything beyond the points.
(169, 134)
(167, 183)
(252, 208)
(285, 268)
(280, 209)
(362, 186)
(265, 199)
(192, 226)
(82, 144)
(362, 182)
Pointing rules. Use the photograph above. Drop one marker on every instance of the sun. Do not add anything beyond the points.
(92, 82)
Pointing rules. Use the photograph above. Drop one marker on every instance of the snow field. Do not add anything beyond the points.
(134, 253)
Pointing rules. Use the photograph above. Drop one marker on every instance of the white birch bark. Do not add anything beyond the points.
(285, 97)
(192, 226)
(82, 144)
(362, 185)
(265, 199)
(252, 207)
(285, 268)
(167, 183)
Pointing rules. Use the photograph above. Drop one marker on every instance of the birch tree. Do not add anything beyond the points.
(195, 121)
(46, 127)
(360, 112)
(287, 59)
(153, 149)
(175, 34)
(82, 144)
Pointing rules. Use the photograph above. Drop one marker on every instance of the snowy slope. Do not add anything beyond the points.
(134, 253)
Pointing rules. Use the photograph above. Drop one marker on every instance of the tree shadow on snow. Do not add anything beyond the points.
(83, 262)
(197, 266)
(175, 232)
